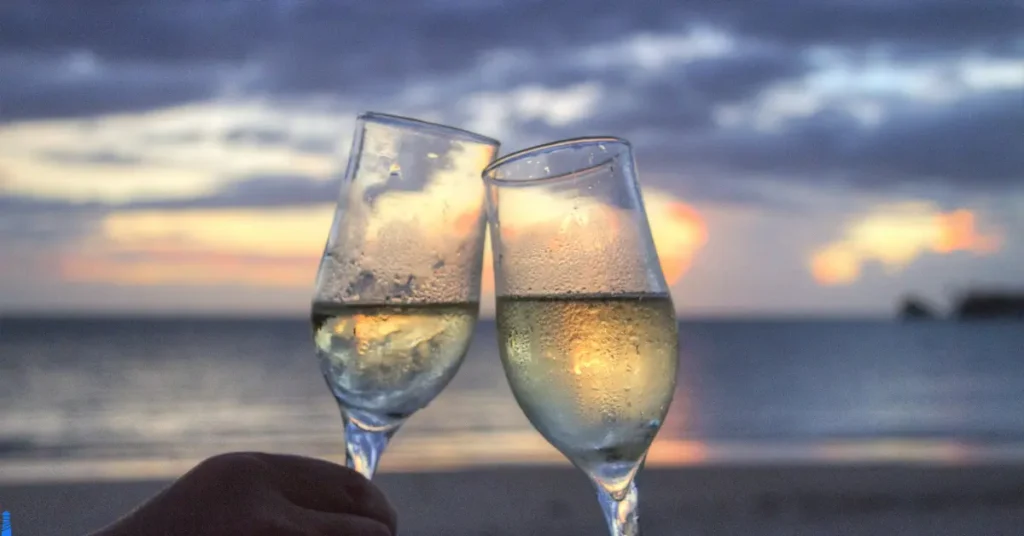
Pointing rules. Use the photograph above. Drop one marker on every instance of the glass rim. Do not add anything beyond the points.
(544, 147)
(420, 124)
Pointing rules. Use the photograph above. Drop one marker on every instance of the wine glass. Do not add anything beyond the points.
(398, 288)
(586, 327)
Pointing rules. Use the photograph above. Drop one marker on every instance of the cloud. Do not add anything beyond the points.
(19, 205)
(263, 247)
(97, 157)
(182, 152)
(894, 237)
(737, 77)
(915, 25)
(32, 223)
(835, 92)
(81, 84)
(259, 231)
(975, 139)
(41, 223)
(441, 32)
(162, 54)
(187, 268)
(257, 191)
(971, 142)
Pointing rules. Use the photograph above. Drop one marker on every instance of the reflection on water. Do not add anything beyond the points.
(119, 399)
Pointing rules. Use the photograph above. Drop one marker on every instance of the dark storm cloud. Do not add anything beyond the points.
(683, 98)
(162, 53)
(975, 142)
(927, 26)
(34, 86)
(300, 47)
(444, 33)
(239, 29)
(740, 76)
(172, 31)
(979, 139)
(62, 59)
(366, 48)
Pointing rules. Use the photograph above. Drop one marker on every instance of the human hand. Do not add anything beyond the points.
(257, 494)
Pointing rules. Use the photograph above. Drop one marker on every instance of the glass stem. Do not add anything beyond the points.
(363, 447)
(620, 510)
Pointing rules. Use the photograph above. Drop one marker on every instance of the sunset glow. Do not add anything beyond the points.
(958, 233)
(895, 236)
(272, 247)
(679, 233)
(281, 247)
(877, 157)
(185, 267)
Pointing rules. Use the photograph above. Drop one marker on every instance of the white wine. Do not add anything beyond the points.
(595, 374)
(391, 360)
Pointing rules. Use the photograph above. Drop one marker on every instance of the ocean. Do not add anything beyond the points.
(119, 398)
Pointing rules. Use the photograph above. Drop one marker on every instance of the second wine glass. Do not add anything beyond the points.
(398, 289)
(587, 330)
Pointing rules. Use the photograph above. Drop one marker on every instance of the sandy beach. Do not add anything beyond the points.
(733, 500)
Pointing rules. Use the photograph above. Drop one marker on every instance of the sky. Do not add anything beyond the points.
(797, 157)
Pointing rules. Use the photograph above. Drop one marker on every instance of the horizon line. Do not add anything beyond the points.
(269, 315)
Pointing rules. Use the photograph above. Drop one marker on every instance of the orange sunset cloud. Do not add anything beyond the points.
(246, 247)
(189, 267)
(679, 233)
(896, 235)
(281, 247)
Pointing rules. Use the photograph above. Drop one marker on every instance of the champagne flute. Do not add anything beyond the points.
(398, 288)
(586, 327)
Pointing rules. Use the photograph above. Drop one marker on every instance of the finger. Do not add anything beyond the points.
(332, 524)
(327, 487)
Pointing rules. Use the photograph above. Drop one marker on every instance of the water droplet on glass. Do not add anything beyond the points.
(363, 283)
(400, 289)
